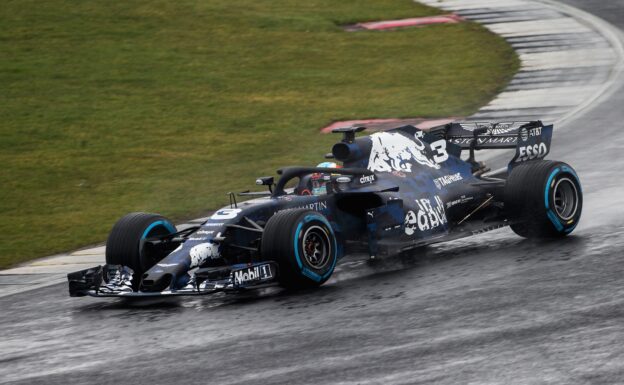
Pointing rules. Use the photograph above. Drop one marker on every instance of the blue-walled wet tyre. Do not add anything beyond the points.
(303, 244)
(126, 242)
(543, 199)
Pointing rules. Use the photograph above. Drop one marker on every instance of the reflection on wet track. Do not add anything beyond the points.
(473, 309)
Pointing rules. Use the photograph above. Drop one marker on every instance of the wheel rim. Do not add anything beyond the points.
(565, 196)
(316, 247)
(146, 260)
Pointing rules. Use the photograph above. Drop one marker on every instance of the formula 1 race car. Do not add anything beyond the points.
(395, 190)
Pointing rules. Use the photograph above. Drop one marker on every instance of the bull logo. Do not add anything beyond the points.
(395, 152)
(202, 252)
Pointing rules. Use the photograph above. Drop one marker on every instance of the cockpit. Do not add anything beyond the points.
(317, 183)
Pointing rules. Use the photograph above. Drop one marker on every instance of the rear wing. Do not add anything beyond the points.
(489, 135)
(531, 140)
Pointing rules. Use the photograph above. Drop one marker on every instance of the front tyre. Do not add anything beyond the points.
(543, 199)
(303, 244)
(126, 242)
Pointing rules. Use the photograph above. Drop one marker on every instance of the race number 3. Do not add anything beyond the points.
(226, 214)
(439, 150)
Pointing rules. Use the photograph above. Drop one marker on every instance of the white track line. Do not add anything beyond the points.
(583, 52)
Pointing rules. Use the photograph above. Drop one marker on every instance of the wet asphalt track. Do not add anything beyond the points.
(489, 309)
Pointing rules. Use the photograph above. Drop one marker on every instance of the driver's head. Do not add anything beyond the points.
(320, 180)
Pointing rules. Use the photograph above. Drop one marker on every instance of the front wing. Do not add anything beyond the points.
(117, 281)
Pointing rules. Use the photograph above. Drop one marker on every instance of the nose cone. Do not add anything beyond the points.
(165, 275)
(156, 281)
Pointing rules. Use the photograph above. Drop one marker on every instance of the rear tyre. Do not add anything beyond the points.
(126, 242)
(303, 244)
(543, 199)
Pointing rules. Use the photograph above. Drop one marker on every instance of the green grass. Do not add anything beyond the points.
(164, 106)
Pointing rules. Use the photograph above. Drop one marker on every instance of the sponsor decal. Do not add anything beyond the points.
(399, 174)
(463, 199)
(447, 180)
(204, 232)
(468, 126)
(411, 222)
(316, 206)
(485, 140)
(492, 128)
(460, 141)
(396, 152)
(214, 224)
(500, 129)
(202, 252)
(252, 274)
(495, 140)
(367, 179)
(428, 216)
(532, 152)
(226, 214)
(525, 133)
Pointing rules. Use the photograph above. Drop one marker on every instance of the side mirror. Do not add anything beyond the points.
(265, 181)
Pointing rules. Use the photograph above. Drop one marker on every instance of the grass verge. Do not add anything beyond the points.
(160, 106)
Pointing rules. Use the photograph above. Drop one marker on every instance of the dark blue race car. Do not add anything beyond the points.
(395, 190)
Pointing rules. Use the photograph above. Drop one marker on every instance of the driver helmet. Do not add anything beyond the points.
(320, 180)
